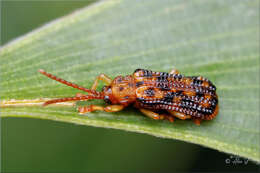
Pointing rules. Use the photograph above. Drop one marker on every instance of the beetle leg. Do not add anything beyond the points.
(184, 117)
(150, 114)
(197, 121)
(91, 108)
(174, 71)
(168, 117)
(102, 77)
(156, 116)
(180, 115)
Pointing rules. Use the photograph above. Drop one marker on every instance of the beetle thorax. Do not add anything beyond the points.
(122, 90)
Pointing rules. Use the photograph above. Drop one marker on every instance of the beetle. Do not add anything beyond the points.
(158, 95)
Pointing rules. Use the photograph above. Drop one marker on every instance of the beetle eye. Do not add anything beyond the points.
(107, 100)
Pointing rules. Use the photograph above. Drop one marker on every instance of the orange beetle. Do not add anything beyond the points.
(158, 95)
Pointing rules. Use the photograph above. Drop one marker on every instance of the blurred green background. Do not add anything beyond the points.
(32, 145)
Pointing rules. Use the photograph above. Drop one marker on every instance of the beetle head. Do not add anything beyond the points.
(121, 91)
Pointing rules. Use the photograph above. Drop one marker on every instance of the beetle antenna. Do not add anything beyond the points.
(96, 93)
(85, 97)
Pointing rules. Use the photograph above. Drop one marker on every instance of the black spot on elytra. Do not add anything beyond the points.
(149, 92)
(199, 94)
(169, 97)
(211, 86)
(177, 76)
(121, 88)
(139, 83)
(163, 85)
(178, 93)
(147, 73)
(162, 77)
(214, 102)
(197, 82)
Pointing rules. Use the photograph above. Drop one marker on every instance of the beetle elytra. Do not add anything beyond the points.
(158, 95)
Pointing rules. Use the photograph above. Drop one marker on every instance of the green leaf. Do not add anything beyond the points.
(217, 39)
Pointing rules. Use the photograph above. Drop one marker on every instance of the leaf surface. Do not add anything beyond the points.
(217, 39)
